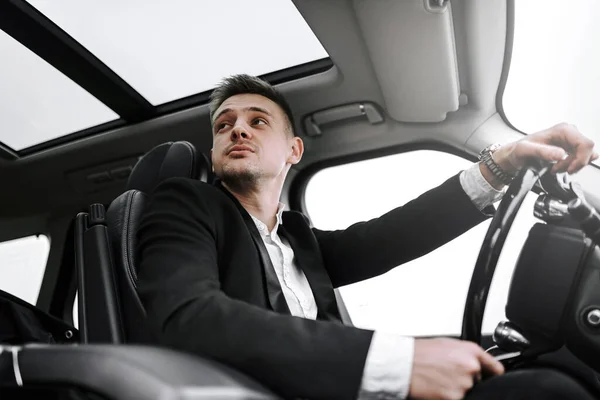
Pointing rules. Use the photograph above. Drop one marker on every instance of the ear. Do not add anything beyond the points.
(297, 150)
(212, 162)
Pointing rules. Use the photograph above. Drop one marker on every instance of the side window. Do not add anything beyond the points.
(425, 296)
(22, 266)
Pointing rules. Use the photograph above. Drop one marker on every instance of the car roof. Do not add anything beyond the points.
(434, 77)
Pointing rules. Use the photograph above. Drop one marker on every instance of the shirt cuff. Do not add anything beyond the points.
(479, 190)
(388, 367)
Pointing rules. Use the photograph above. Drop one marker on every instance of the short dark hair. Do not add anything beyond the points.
(247, 84)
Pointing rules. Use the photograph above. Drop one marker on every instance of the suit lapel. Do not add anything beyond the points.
(300, 237)
(274, 293)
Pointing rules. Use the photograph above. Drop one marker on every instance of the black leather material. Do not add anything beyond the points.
(165, 161)
(117, 297)
(7, 375)
(205, 173)
(122, 220)
(168, 160)
(132, 372)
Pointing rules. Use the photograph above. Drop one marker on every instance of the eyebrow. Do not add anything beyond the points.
(253, 108)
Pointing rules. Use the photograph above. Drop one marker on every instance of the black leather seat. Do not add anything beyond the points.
(118, 372)
(110, 310)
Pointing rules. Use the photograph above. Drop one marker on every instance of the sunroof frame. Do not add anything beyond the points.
(38, 33)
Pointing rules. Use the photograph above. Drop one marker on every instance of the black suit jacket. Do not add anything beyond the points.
(208, 287)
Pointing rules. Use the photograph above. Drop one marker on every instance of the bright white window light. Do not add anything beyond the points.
(38, 103)
(22, 266)
(171, 49)
(555, 67)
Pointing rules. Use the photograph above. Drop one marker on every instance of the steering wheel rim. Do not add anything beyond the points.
(491, 248)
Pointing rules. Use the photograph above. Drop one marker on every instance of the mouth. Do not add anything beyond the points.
(240, 149)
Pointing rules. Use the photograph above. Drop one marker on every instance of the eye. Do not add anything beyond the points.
(220, 126)
(258, 121)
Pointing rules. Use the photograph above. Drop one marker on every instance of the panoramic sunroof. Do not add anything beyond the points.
(555, 69)
(169, 49)
(38, 103)
(135, 55)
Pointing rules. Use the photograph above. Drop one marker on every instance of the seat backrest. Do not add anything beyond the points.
(110, 310)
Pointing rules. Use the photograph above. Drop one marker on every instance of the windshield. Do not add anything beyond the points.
(555, 66)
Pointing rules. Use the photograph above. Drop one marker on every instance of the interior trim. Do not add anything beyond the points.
(71, 137)
(59, 266)
(7, 153)
(412, 49)
(508, 49)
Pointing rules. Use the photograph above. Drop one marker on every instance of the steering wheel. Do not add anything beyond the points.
(562, 309)
(492, 247)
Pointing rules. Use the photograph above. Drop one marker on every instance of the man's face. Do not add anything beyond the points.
(251, 140)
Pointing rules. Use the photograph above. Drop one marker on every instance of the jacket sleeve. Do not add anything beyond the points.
(179, 287)
(368, 249)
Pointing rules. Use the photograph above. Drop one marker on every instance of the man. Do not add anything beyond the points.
(226, 273)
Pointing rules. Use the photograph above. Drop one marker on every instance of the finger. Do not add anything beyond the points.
(569, 137)
(546, 152)
(581, 160)
(490, 364)
(563, 165)
(564, 135)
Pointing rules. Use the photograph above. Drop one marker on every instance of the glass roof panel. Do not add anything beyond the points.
(38, 103)
(171, 49)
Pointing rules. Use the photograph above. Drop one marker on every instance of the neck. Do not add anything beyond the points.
(261, 200)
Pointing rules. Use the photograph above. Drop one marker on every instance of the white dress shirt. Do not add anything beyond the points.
(388, 366)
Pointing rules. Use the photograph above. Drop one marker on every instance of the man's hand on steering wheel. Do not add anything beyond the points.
(562, 143)
(446, 368)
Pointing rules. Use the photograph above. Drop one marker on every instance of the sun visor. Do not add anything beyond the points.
(411, 45)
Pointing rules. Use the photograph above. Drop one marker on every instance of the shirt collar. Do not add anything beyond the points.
(262, 227)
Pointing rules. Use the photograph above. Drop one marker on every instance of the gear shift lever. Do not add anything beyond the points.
(508, 338)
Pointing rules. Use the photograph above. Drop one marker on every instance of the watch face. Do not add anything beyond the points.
(491, 148)
(488, 149)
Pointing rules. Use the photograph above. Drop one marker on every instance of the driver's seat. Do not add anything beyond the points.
(110, 310)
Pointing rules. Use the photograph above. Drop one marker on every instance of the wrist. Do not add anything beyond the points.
(502, 158)
(489, 176)
(495, 165)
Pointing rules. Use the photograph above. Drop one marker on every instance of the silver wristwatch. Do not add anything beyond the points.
(485, 156)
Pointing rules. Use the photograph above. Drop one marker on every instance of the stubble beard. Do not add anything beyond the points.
(241, 180)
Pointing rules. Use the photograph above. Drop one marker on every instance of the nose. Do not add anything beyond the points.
(240, 131)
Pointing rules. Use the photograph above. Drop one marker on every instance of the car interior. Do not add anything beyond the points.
(384, 77)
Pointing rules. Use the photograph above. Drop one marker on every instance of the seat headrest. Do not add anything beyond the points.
(168, 160)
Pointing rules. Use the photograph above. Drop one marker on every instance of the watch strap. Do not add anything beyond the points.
(486, 158)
